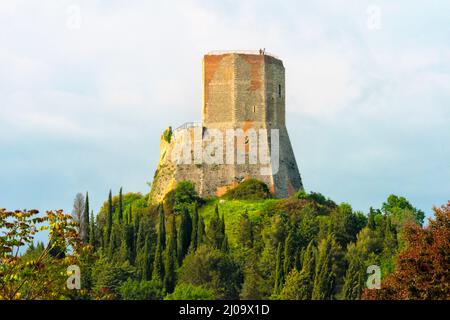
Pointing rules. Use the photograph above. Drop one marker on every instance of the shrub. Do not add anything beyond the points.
(167, 134)
(140, 290)
(317, 198)
(250, 189)
(186, 291)
(183, 196)
(214, 270)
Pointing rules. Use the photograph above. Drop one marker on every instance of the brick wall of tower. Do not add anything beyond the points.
(245, 91)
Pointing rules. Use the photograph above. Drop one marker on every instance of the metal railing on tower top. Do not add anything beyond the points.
(257, 52)
(188, 125)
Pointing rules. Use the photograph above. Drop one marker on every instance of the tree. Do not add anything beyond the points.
(195, 222)
(129, 237)
(400, 209)
(201, 234)
(158, 267)
(355, 274)
(216, 230)
(146, 272)
(92, 235)
(186, 291)
(185, 235)
(109, 276)
(225, 247)
(182, 197)
(130, 215)
(171, 259)
(120, 217)
(115, 240)
(162, 229)
(140, 290)
(254, 287)
(279, 271)
(246, 231)
(300, 284)
(345, 224)
(293, 287)
(250, 189)
(308, 268)
(109, 218)
(422, 267)
(36, 276)
(324, 276)
(158, 264)
(78, 210)
(213, 270)
(289, 254)
(85, 225)
(143, 248)
(123, 251)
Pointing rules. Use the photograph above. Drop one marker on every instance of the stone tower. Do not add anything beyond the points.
(243, 107)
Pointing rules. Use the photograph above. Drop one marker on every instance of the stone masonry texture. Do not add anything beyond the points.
(240, 91)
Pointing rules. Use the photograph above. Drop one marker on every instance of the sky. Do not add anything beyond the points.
(88, 86)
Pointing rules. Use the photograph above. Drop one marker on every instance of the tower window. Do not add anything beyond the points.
(254, 109)
(279, 91)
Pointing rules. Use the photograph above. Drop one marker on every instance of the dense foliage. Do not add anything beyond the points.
(423, 266)
(247, 245)
(250, 189)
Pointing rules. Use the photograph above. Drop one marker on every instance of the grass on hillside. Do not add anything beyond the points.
(233, 211)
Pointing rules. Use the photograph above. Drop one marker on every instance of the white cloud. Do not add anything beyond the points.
(321, 84)
(132, 69)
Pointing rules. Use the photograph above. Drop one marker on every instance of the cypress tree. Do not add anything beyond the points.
(120, 205)
(123, 251)
(130, 215)
(85, 222)
(354, 276)
(92, 238)
(194, 237)
(298, 264)
(299, 284)
(222, 225)
(162, 229)
(215, 230)
(279, 276)
(158, 266)
(324, 277)
(246, 231)
(225, 247)
(109, 219)
(289, 254)
(307, 273)
(146, 269)
(115, 240)
(141, 250)
(170, 259)
(140, 237)
(200, 231)
(185, 235)
(128, 236)
(371, 220)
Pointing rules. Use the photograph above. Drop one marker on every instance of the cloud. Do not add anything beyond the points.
(83, 108)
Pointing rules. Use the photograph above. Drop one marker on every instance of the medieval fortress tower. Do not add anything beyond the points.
(243, 110)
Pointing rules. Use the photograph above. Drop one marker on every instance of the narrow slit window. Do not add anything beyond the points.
(254, 109)
(279, 91)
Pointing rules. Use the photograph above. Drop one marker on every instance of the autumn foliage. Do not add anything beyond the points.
(43, 276)
(423, 267)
